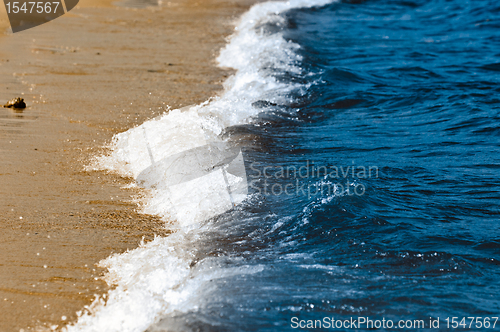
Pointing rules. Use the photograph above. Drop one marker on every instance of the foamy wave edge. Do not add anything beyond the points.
(157, 278)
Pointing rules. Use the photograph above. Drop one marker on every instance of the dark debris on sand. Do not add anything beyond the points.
(15, 103)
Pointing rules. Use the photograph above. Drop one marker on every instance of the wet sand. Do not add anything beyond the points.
(86, 76)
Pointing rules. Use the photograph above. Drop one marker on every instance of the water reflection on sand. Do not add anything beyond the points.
(138, 3)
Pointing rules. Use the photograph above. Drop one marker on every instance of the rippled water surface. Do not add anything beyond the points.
(408, 87)
(374, 183)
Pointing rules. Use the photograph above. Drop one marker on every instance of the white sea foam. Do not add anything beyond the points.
(192, 175)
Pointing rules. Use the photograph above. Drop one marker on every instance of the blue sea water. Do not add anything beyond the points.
(390, 158)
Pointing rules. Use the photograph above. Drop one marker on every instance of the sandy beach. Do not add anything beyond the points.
(86, 76)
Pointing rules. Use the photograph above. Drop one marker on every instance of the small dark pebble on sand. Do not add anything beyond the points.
(15, 103)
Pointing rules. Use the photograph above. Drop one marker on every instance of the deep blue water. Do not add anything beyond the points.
(410, 89)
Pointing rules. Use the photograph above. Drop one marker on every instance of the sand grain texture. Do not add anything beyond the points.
(85, 76)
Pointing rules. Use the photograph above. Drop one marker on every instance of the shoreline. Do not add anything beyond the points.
(82, 76)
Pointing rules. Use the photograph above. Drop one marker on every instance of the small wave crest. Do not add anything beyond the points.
(192, 175)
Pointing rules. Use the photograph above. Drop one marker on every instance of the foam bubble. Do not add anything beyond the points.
(192, 175)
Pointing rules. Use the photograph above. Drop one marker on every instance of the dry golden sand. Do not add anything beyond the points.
(86, 76)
